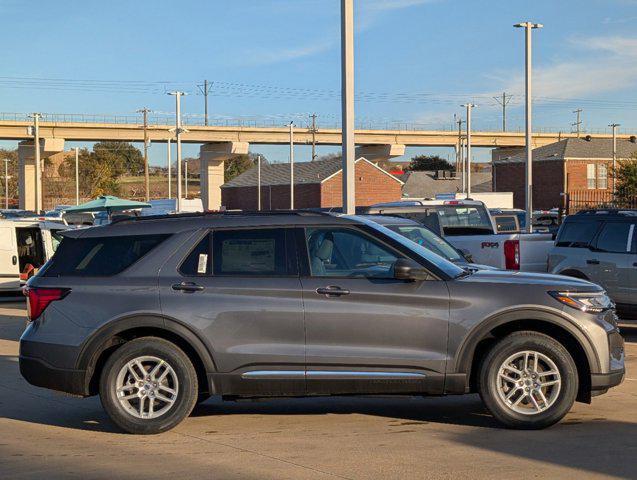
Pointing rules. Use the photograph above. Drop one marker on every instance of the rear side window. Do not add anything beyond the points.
(576, 234)
(250, 252)
(614, 238)
(199, 260)
(99, 256)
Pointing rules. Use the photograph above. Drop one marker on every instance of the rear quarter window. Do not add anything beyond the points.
(99, 256)
(577, 234)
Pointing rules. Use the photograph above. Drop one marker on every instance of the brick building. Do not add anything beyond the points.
(317, 184)
(570, 165)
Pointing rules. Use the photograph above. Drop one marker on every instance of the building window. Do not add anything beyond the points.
(590, 176)
(602, 176)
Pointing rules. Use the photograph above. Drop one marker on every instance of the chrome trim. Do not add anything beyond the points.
(328, 373)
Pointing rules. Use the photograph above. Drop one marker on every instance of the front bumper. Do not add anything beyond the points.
(604, 381)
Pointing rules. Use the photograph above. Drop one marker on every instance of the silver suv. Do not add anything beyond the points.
(157, 314)
(601, 246)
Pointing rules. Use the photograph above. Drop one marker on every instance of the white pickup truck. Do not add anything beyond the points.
(468, 226)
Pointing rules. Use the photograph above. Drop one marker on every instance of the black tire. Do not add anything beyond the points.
(520, 342)
(183, 369)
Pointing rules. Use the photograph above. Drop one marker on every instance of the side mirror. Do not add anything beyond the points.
(407, 269)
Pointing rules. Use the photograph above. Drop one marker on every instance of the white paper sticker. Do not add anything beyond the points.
(203, 263)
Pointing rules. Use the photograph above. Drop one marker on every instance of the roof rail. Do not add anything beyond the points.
(624, 212)
(227, 213)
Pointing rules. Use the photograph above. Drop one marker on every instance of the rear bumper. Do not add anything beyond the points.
(41, 374)
(604, 381)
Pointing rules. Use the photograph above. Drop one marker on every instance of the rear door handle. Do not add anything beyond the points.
(187, 287)
(332, 291)
(593, 262)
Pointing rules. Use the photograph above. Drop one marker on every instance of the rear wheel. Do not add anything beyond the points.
(148, 386)
(528, 380)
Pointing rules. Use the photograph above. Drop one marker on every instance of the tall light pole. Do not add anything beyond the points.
(178, 132)
(186, 179)
(528, 27)
(468, 106)
(77, 176)
(6, 183)
(347, 102)
(614, 127)
(38, 172)
(291, 165)
(170, 167)
(259, 182)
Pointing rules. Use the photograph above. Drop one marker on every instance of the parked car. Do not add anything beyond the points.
(467, 225)
(156, 313)
(424, 237)
(601, 246)
(25, 245)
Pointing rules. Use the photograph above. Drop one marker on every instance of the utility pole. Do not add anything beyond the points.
(578, 122)
(38, 172)
(347, 104)
(528, 28)
(314, 131)
(459, 152)
(205, 90)
(178, 130)
(6, 183)
(259, 182)
(170, 168)
(77, 176)
(144, 111)
(469, 106)
(291, 165)
(614, 127)
(504, 101)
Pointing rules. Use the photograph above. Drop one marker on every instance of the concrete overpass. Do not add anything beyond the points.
(219, 143)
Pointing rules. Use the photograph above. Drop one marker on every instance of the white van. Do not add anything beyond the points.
(25, 245)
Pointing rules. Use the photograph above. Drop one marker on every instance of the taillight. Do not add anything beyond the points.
(38, 298)
(512, 254)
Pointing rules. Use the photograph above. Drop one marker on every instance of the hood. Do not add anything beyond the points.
(557, 282)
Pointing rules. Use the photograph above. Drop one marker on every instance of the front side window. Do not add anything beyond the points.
(591, 183)
(428, 239)
(250, 252)
(340, 252)
(613, 238)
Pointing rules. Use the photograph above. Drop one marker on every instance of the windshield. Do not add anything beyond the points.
(464, 219)
(444, 265)
(428, 239)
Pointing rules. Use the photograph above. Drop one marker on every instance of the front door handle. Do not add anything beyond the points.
(332, 291)
(594, 261)
(187, 287)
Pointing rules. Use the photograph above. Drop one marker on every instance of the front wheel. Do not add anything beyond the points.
(528, 380)
(148, 386)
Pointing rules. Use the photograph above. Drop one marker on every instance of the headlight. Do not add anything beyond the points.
(590, 302)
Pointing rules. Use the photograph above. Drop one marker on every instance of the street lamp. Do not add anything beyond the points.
(347, 105)
(528, 27)
(467, 175)
(6, 183)
(614, 127)
(178, 132)
(291, 165)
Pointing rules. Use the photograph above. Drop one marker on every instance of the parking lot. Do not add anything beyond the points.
(48, 435)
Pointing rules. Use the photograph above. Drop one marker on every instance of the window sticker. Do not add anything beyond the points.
(203, 263)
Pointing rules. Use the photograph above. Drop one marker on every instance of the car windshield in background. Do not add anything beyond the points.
(439, 262)
(426, 238)
(464, 219)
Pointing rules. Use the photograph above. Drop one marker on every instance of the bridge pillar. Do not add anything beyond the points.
(212, 157)
(26, 168)
(378, 153)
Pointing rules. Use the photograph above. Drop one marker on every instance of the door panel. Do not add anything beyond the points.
(609, 261)
(374, 333)
(9, 268)
(251, 323)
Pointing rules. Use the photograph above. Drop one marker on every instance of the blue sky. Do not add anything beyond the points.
(278, 60)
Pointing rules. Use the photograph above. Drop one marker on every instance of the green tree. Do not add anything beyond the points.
(626, 178)
(121, 157)
(12, 167)
(241, 163)
(429, 163)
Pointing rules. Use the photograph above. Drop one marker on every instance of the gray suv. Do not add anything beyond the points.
(601, 246)
(156, 314)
